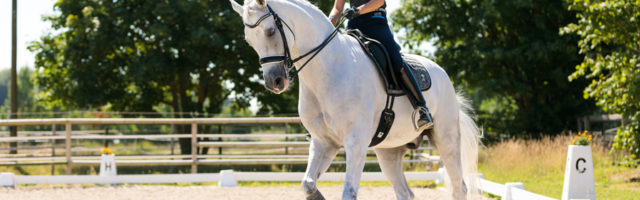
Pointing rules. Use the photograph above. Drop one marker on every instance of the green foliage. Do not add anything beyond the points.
(5, 80)
(141, 55)
(134, 55)
(509, 57)
(610, 40)
(28, 102)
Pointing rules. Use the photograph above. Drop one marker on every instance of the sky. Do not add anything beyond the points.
(31, 27)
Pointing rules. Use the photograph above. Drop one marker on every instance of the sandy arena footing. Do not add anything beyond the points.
(199, 192)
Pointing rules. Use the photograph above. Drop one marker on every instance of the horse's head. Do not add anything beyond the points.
(268, 38)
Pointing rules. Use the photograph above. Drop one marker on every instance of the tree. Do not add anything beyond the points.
(5, 78)
(134, 55)
(509, 57)
(609, 32)
(28, 94)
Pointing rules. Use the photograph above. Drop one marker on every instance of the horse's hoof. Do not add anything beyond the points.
(315, 196)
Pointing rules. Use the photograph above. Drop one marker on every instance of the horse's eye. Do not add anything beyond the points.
(270, 32)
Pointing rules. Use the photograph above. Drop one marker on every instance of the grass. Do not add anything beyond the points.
(540, 166)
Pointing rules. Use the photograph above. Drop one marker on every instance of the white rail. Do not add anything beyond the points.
(203, 177)
(509, 191)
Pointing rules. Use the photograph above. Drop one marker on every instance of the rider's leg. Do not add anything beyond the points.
(413, 91)
(377, 27)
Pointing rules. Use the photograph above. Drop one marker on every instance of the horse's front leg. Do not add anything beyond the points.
(356, 145)
(320, 156)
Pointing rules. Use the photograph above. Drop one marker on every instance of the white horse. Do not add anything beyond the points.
(342, 96)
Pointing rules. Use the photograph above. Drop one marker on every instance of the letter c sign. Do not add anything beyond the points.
(578, 165)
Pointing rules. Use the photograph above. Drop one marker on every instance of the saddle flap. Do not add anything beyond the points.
(379, 55)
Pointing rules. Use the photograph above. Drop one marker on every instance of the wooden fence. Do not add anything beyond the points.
(506, 191)
(152, 160)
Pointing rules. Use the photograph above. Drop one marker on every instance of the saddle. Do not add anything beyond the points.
(379, 55)
(393, 85)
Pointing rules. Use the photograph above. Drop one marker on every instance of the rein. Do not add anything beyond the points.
(286, 57)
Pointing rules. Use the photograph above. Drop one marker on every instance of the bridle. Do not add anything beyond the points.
(286, 57)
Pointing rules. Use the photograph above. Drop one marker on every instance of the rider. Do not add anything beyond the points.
(369, 17)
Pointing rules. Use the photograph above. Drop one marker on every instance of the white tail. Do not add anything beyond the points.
(470, 139)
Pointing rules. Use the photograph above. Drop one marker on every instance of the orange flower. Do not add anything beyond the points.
(106, 151)
(583, 138)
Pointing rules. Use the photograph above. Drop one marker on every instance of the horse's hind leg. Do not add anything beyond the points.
(320, 156)
(391, 164)
(446, 136)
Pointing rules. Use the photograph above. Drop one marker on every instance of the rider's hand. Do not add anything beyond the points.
(351, 13)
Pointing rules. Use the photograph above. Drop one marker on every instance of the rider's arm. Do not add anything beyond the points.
(334, 16)
(338, 6)
(370, 6)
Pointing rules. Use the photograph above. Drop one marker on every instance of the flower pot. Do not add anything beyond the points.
(579, 174)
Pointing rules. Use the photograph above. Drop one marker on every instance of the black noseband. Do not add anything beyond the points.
(271, 59)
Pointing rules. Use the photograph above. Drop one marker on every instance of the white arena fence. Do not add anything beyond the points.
(507, 191)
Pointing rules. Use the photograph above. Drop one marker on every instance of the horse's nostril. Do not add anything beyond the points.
(278, 82)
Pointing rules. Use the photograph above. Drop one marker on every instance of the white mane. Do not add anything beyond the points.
(304, 3)
(308, 7)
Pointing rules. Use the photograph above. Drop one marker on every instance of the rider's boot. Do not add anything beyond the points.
(425, 121)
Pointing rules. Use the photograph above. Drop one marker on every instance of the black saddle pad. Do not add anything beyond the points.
(419, 71)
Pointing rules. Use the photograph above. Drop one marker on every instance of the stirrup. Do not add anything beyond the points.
(415, 122)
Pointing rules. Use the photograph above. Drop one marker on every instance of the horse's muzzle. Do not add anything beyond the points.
(275, 79)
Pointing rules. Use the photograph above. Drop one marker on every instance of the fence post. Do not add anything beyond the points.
(53, 149)
(478, 178)
(194, 148)
(507, 195)
(442, 172)
(220, 139)
(7, 180)
(67, 146)
(172, 140)
(286, 138)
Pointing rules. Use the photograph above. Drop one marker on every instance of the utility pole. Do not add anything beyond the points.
(14, 83)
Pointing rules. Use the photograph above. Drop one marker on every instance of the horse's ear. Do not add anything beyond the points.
(261, 3)
(236, 6)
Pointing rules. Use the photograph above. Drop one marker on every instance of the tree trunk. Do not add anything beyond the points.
(185, 143)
